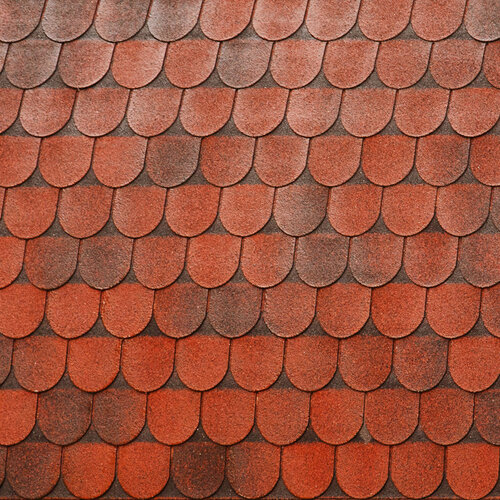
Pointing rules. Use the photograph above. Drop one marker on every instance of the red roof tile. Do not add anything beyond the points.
(278, 20)
(173, 19)
(373, 22)
(435, 21)
(224, 19)
(331, 20)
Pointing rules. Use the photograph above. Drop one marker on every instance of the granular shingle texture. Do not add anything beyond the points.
(249, 248)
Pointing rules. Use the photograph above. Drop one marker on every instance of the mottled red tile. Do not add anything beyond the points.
(72, 309)
(373, 20)
(201, 361)
(84, 62)
(93, 362)
(478, 259)
(490, 313)
(483, 154)
(17, 417)
(6, 346)
(331, 20)
(11, 259)
(253, 468)
(486, 408)
(180, 309)
(64, 415)
(491, 63)
(266, 259)
(29, 211)
(402, 63)
(435, 20)
(147, 362)
(190, 62)
(137, 210)
(446, 414)
(243, 61)
(277, 20)
(198, 468)
(224, 19)
(126, 309)
(258, 111)
(10, 100)
(64, 21)
(88, 469)
(33, 468)
(172, 19)
(18, 158)
(419, 112)
(417, 468)
(430, 258)
(256, 361)
(173, 414)
(143, 468)
(362, 468)
(117, 20)
(39, 362)
(27, 16)
(31, 62)
(472, 469)
(111, 254)
(227, 415)
(480, 20)
(367, 111)
(375, 258)
(171, 160)
(473, 111)
(21, 309)
(282, 414)
(234, 308)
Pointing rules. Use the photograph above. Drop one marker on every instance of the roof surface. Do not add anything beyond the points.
(249, 248)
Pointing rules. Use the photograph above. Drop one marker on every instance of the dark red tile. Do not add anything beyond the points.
(72, 309)
(419, 112)
(198, 468)
(205, 110)
(256, 361)
(486, 408)
(331, 20)
(143, 468)
(126, 309)
(11, 259)
(258, 111)
(478, 259)
(117, 20)
(27, 16)
(18, 158)
(491, 63)
(17, 417)
(99, 110)
(173, 414)
(147, 362)
(483, 153)
(307, 468)
(417, 468)
(31, 62)
(6, 346)
(311, 361)
(387, 159)
(243, 61)
(480, 20)
(495, 207)
(289, 308)
(490, 313)
(110, 253)
(266, 259)
(64, 21)
(201, 361)
(375, 258)
(118, 415)
(234, 308)
(29, 211)
(93, 362)
(88, 469)
(224, 19)
(152, 110)
(435, 21)
(402, 63)
(282, 414)
(84, 62)
(391, 415)
(137, 210)
(227, 415)
(420, 361)
(10, 100)
(21, 309)
(33, 468)
(190, 62)
(172, 19)
(362, 468)
(180, 309)
(64, 415)
(39, 362)
(277, 20)
(137, 62)
(351, 311)
(446, 414)
(472, 468)
(158, 261)
(253, 468)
